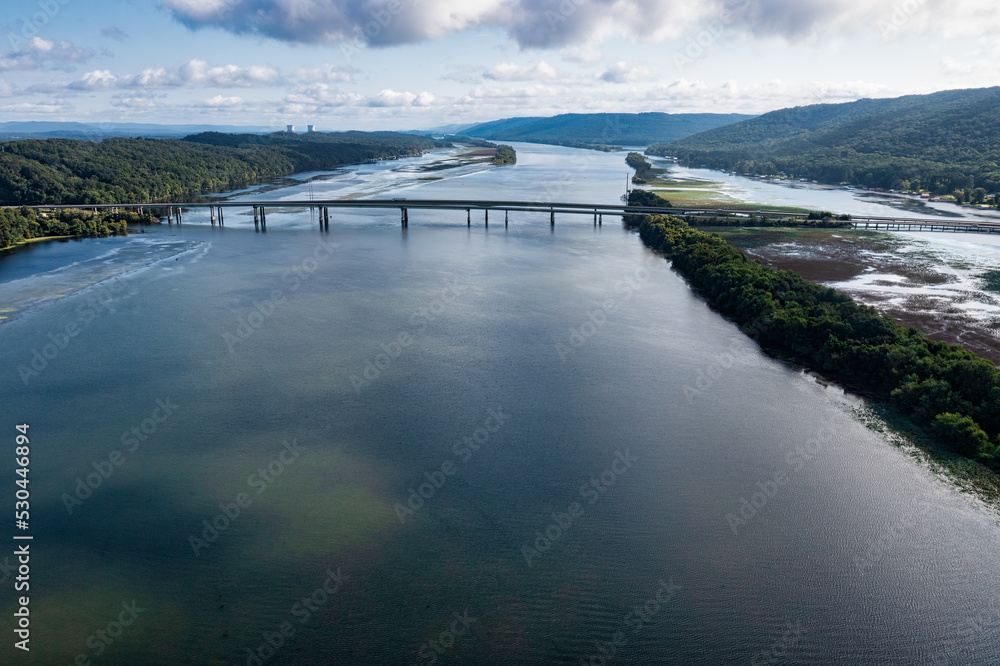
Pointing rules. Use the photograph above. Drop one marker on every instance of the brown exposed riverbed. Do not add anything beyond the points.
(936, 288)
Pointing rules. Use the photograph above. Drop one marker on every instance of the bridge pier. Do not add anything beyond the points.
(221, 218)
(211, 210)
(552, 218)
(256, 219)
(404, 218)
(506, 213)
(179, 218)
(326, 218)
(600, 220)
(263, 220)
(487, 217)
(468, 217)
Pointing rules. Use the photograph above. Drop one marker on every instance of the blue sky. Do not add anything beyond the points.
(400, 64)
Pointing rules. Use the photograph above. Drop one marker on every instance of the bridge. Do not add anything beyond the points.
(217, 210)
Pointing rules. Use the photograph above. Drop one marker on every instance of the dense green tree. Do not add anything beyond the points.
(950, 392)
(942, 142)
(119, 170)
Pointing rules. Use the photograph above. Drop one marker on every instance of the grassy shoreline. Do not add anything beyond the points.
(26, 241)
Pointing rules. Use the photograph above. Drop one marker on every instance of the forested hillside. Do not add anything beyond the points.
(123, 170)
(596, 129)
(940, 143)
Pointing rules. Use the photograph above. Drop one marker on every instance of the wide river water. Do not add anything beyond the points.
(445, 445)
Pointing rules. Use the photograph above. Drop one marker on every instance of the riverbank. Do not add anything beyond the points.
(18, 225)
(694, 192)
(27, 241)
(949, 392)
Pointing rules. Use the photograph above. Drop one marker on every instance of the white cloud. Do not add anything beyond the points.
(38, 52)
(567, 24)
(320, 96)
(115, 33)
(584, 53)
(392, 98)
(138, 102)
(326, 73)
(194, 73)
(95, 80)
(33, 108)
(622, 72)
(198, 72)
(507, 71)
(218, 101)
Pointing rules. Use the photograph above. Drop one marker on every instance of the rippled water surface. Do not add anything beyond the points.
(456, 446)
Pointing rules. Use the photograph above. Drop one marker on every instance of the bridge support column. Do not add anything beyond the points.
(487, 217)
(468, 217)
(326, 218)
(552, 218)
(170, 215)
(600, 220)
(506, 214)
(595, 218)
(179, 218)
(222, 219)
(212, 213)
(256, 219)
(263, 220)
(404, 218)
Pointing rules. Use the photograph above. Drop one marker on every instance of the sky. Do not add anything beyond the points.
(413, 64)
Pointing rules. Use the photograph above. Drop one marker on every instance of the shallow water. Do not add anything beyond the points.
(541, 431)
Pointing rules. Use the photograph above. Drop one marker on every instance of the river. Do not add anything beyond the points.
(518, 445)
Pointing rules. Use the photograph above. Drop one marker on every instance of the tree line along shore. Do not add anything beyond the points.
(949, 393)
(126, 170)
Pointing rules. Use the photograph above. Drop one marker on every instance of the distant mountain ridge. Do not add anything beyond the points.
(941, 142)
(623, 129)
(40, 129)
